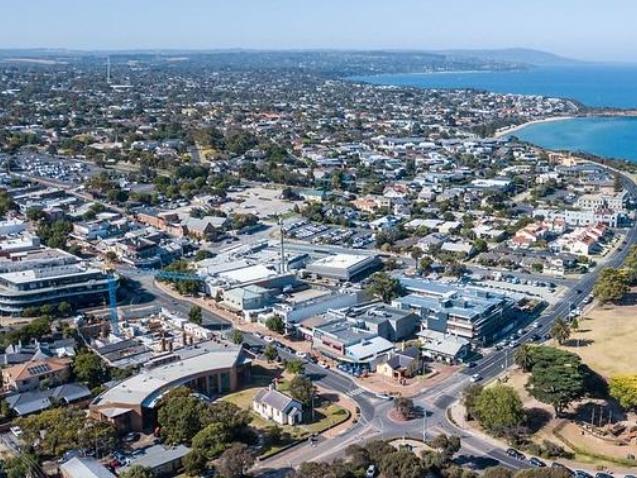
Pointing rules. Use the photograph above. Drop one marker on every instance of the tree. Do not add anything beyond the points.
(275, 324)
(64, 309)
(402, 464)
(560, 331)
(236, 336)
(137, 471)
(557, 384)
(611, 286)
(270, 353)
(480, 245)
(236, 461)
(88, 368)
(499, 410)
(448, 445)
(358, 456)
(470, 397)
(405, 407)
(235, 420)
(211, 441)
(385, 287)
(295, 366)
(195, 463)
(181, 416)
(302, 389)
(497, 472)
(59, 430)
(623, 388)
(195, 315)
(523, 357)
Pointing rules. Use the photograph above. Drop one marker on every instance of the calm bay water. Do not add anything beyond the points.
(593, 85)
(614, 137)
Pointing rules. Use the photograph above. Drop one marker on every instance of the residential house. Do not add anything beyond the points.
(36, 373)
(402, 364)
(278, 407)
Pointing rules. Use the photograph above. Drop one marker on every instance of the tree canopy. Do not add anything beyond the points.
(499, 410)
(385, 287)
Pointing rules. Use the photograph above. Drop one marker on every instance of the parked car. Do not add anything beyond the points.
(513, 453)
(131, 437)
(582, 474)
(536, 463)
(371, 471)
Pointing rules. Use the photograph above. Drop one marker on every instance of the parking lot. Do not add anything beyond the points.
(304, 230)
(55, 168)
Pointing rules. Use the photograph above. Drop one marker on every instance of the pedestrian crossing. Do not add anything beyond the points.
(355, 393)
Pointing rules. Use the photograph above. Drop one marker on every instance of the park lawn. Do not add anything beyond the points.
(605, 339)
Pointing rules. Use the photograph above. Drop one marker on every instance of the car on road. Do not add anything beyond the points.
(301, 355)
(471, 364)
(17, 431)
(371, 471)
(536, 337)
(513, 453)
(268, 338)
(603, 475)
(258, 335)
(536, 463)
(323, 364)
(513, 344)
(476, 377)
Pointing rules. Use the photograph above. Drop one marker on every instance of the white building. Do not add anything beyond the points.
(278, 407)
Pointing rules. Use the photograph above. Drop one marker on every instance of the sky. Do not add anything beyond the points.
(583, 29)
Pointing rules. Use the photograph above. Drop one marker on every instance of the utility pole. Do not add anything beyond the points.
(282, 267)
(424, 426)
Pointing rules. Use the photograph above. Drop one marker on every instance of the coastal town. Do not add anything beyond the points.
(251, 264)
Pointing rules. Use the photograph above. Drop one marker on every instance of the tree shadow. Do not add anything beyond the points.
(597, 413)
(537, 418)
(474, 462)
(578, 342)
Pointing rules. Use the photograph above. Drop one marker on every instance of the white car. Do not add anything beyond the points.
(476, 377)
(268, 338)
(17, 431)
(301, 355)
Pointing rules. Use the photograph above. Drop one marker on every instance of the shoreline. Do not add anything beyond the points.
(511, 129)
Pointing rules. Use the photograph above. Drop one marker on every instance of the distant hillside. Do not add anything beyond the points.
(512, 55)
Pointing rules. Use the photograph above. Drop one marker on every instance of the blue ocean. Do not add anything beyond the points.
(593, 85)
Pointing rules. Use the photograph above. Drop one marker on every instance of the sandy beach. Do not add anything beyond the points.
(511, 129)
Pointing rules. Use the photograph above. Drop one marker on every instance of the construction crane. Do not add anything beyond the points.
(112, 304)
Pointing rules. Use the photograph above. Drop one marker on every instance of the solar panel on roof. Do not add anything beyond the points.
(39, 369)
